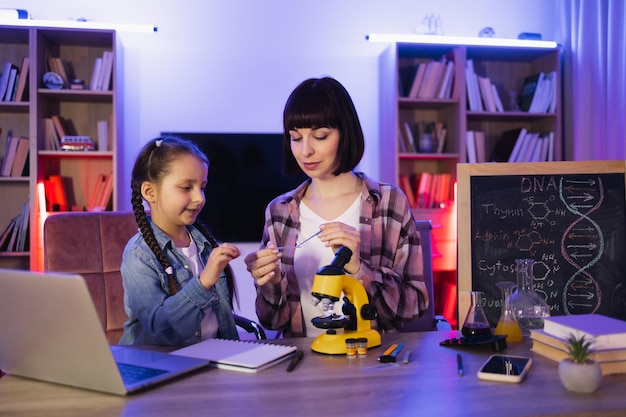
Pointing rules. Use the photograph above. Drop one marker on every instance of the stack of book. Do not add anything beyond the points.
(608, 334)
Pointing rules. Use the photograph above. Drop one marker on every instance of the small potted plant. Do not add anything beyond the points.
(580, 372)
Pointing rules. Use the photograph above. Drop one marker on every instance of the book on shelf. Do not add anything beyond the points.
(471, 84)
(14, 237)
(553, 92)
(433, 74)
(4, 78)
(445, 89)
(519, 142)
(52, 140)
(95, 74)
(107, 70)
(238, 355)
(11, 85)
(441, 133)
(9, 154)
(56, 197)
(486, 93)
(22, 228)
(5, 237)
(496, 97)
(480, 144)
(606, 332)
(60, 126)
(529, 88)
(410, 137)
(420, 70)
(101, 194)
(21, 157)
(103, 135)
(407, 188)
(470, 144)
(528, 145)
(21, 91)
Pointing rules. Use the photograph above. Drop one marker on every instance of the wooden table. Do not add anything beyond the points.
(337, 386)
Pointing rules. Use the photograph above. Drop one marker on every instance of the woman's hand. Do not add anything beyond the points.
(335, 235)
(218, 259)
(264, 265)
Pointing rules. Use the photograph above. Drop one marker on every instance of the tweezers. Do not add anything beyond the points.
(299, 245)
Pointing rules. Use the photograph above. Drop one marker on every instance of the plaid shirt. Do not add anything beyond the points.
(391, 259)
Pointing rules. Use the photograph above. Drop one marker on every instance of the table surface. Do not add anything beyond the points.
(323, 385)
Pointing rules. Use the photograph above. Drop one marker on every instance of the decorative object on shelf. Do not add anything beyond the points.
(52, 80)
(528, 306)
(77, 84)
(487, 32)
(580, 373)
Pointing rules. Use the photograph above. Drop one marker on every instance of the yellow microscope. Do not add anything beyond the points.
(329, 282)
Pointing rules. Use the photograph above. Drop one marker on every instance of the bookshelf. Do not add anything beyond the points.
(506, 68)
(82, 109)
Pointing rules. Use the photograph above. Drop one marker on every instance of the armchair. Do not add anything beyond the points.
(91, 244)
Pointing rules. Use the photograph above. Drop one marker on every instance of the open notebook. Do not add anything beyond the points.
(238, 355)
(50, 331)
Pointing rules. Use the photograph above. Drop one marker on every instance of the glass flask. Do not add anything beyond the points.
(527, 305)
(476, 323)
(507, 324)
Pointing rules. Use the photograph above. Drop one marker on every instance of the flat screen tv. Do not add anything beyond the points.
(245, 174)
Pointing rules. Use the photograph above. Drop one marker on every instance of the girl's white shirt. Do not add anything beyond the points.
(208, 326)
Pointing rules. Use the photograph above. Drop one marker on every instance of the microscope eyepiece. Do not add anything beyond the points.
(342, 257)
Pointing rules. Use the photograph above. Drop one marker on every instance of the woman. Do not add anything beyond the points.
(323, 138)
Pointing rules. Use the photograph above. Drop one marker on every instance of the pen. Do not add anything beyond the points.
(397, 350)
(390, 349)
(407, 357)
(294, 361)
(459, 364)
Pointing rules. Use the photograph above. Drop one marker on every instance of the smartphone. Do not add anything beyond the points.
(505, 368)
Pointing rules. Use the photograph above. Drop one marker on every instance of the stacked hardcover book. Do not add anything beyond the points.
(608, 334)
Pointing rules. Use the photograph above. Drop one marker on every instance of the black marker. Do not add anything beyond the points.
(294, 361)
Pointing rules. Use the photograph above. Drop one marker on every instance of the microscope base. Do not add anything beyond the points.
(335, 344)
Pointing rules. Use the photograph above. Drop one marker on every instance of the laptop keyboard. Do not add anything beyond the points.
(133, 373)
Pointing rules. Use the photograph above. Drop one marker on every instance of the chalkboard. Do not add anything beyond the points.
(570, 217)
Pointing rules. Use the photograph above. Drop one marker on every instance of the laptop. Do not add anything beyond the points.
(50, 331)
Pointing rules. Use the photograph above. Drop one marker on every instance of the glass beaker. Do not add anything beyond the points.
(507, 324)
(476, 323)
(527, 305)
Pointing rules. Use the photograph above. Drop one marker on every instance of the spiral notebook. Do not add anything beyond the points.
(238, 355)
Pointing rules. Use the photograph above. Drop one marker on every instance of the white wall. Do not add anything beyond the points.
(229, 65)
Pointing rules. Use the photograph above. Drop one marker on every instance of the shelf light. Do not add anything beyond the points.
(459, 40)
(79, 24)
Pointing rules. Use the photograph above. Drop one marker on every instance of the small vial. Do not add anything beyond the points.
(361, 349)
(351, 348)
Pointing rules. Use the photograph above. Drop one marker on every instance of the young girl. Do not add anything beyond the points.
(323, 138)
(178, 286)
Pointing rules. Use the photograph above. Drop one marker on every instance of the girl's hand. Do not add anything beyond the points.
(218, 259)
(335, 235)
(264, 265)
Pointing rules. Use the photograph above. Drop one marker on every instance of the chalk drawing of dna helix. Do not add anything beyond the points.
(582, 243)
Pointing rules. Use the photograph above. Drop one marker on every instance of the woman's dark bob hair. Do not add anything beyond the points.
(318, 103)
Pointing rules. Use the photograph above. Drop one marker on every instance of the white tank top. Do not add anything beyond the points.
(208, 326)
(313, 255)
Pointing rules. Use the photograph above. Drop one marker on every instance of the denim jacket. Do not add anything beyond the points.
(157, 318)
